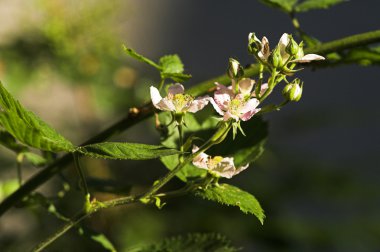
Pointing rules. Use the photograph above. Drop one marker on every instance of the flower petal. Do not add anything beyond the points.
(265, 49)
(216, 107)
(246, 85)
(250, 105)
(200, 161)
(240, 169)
(225, 168)
(309, 57)
(284, 41)
(249, 114)
(176, 89)
(222, 98)
(155, 95)
(198, 104)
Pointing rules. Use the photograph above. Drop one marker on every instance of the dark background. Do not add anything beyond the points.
(317, 180)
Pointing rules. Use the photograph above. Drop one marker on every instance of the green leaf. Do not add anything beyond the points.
(195, 242)
(97, 237)
(171, 64)
(141, 58)
(27, 128)
(134, 151)
(232, 196)
(187, 172)
(172, 67)
(283, 5)
(316, 4)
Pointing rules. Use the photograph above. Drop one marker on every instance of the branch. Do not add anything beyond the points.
(138, 114)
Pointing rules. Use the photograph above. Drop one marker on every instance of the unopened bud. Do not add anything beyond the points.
(235, 70)
(254, 44)
(293, 90)
(292, 48)
(275, 58)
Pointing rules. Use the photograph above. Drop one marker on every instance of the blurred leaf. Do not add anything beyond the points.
(232, 196)
(195, 242)
(134, 151)
(28, 128)
(284, 5)
(34, 159)
(171, 64)
(141, 58)
(309, 40)
(316, 4)
(97, 237)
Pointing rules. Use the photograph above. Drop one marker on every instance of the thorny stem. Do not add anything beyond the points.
(146, 110)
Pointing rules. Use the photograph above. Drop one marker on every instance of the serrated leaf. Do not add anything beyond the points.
(29, 129)
(134, 151)
(283, 5)
(141, 58)
(316, 4)
(171, 64)
(191, 243)
(233, 196)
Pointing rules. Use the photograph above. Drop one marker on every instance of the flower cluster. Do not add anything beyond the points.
(287, 51)
(239, 101)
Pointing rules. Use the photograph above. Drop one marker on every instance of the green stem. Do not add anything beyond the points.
(147, 110)
(162, 82)
(180, 137)
(19, 170)
(97, 206)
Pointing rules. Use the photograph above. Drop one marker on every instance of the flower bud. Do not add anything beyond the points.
(235, 70)
(275, 58)
(293, 90)
(292, 48)
(254, 44)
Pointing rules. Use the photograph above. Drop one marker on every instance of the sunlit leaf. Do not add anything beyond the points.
(178, 77)
(191, 243)
(232, 196)
(171, 64)
(316, 4)
(134, 151)
(283, 5)
(27, 128)
(34, 158)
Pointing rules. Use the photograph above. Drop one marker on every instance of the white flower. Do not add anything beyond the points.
(177, 101)
(240, 106)
(219, 166)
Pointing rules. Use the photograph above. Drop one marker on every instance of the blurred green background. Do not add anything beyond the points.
(317, 180)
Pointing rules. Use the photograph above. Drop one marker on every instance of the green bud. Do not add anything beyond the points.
(293, 90)
(275, 58)
(235, 70)
(254, 44)
(292, 48)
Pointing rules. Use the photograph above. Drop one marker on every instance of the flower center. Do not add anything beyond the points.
(213, 162)
(181, 102)
(235, 106)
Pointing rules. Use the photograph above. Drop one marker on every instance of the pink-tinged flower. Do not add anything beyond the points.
(299, 57)
(241, 106)
(177, 101)
(218, 166)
